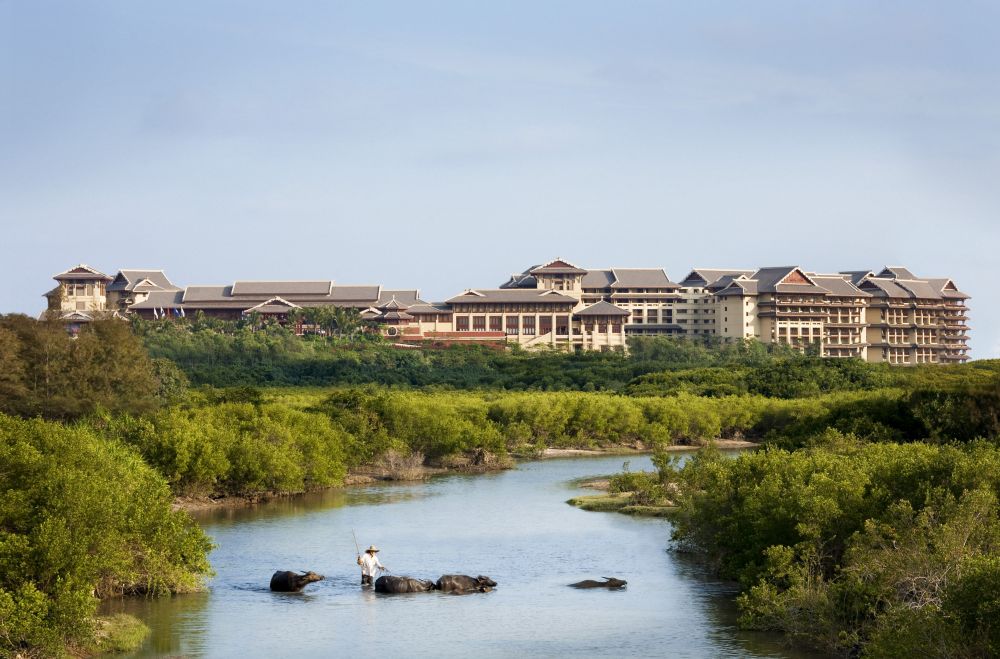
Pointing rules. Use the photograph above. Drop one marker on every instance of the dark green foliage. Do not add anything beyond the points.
(48, 373)
(850, 545)
(82, 516)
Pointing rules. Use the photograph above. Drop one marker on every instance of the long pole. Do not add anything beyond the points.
(356, 547)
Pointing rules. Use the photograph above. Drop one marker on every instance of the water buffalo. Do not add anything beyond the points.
(609, 582)
(461, 583)
(390, 584)
(284, 581)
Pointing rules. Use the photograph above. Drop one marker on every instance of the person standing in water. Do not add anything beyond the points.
(370, 565)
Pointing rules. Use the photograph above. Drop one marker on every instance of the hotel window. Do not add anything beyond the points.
(562, 325)
(602, 327)
(512, 327)
(545, 325)
(528, 325)
(462, 324)
(496, 323)
(479, 323)
(616, 328)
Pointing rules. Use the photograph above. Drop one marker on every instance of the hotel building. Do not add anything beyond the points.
(891, 316)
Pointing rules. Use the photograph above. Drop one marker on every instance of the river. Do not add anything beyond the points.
(513, 526)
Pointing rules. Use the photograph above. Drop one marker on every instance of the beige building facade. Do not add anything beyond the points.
(890, 316)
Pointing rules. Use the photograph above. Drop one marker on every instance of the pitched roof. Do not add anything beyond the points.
(896, 272)
(511, 296)
(947, 288)
(160, 300)
(129, 279)
(920, 289)
(641, 278)
(558, 266)
(274, 305)
(703, 276)
(208, 294)
(285, 288)
(880, 287)
(408, 297)
(598, 278)
(81, 272)
(602, 308)
(353, 293)
(839, 285)
(739, 287)
(429, 308)
(520, 280)
(857, 276)
(785, 279)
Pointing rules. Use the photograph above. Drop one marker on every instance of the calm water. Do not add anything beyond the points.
(513, 526)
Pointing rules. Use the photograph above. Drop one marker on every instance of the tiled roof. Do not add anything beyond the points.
(511, 296)
(81, 272)
(407, 297)
(703, 276)
(602, 308)
(774, 280)
(896, 272)
(128, 279)
(598, 279)
(558, 266)
(160, 300)
(920, 289)
(839, 285)
(208, 294)
(258, 288)
(353, 293)
(641, 278)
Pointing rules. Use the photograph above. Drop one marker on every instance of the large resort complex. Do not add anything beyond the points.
(886, 316)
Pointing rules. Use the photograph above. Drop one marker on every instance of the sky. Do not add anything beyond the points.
(444, 145)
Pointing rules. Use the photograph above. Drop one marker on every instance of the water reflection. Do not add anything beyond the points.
(513, 526)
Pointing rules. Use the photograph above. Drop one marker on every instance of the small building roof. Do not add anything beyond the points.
(602, 308)
(896, 272)
(705, 276)
(82, 272)
(130, 279)
(558, 266)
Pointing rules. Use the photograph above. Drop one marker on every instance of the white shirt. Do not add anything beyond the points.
(369, 563)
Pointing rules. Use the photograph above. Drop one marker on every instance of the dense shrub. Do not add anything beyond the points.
(82, 516)
(850, 545)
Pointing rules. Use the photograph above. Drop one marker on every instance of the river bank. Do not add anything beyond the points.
(404, 469)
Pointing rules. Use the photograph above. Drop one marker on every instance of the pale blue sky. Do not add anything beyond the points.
(443, 145)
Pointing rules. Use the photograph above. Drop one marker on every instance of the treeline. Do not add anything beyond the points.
(233, 354)
(46, 372)
(877, 549)
(82, 517)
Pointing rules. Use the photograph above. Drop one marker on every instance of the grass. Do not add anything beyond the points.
(119, 633)
(619, 503)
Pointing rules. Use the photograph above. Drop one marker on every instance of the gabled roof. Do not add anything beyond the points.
(881, 287)
(603, 308)
(785, 279)
(558, 266)
(274, 305)
(76, 317)
(128, 280)
(286, 288)
(896, 272)
(857, 276)
(370, 293)
(160, 300)
(741, 286)
(947, 288)
(521, 280)
(511, 296)
(408, 297)
(838, 284)
(82, 272)
(705, 276)
(641, 278)
(725, 281)
(393, 305)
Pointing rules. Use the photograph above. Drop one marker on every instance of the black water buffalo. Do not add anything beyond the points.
(390, 584)
(461, 583)
(284, 581)
(609, 582)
